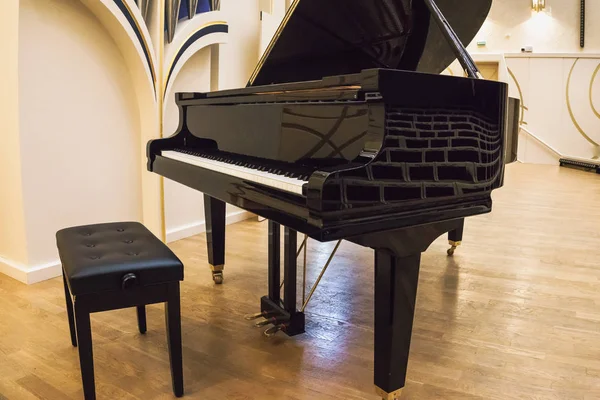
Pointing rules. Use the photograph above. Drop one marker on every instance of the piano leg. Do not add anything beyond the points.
(455, 237)
(396, 280)
(214, 211)
(397, 262)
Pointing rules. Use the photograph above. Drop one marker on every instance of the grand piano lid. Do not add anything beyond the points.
(319, 38)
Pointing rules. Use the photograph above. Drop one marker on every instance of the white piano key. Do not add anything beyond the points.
(291, 185)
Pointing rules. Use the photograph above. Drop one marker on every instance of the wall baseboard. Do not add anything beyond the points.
(53, 269)
(14, 270)
(30, 275)
(196, 228)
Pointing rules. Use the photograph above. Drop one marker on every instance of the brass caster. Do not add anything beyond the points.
(395, 395)
(217, 277)
(453, 245)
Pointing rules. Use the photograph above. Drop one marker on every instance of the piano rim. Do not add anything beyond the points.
(323, 229)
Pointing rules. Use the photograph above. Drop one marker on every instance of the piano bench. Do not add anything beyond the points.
(119, 265)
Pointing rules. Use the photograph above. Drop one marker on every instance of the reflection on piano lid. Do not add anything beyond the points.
(321, 38)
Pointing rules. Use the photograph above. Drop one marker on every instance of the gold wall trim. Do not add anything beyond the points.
(591, 92)
(165, 79)
(137, 24)
(570, 109)
(521, 98)
(161, 50)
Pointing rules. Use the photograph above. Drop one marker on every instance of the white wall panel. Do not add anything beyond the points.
(79, 124)
(512, 24)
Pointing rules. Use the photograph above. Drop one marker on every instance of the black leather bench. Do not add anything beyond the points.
(119, 265)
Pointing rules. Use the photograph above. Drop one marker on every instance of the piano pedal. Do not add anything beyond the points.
(274, 329)
(251, 317)
(263, 323)
(453, 246)
(270, 321)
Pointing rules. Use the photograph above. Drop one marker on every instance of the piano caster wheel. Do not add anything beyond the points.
(218, 277)
(453, 245)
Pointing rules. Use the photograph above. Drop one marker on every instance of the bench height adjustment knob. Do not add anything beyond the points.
(128, 281)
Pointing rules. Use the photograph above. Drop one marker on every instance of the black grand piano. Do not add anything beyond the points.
(347, 130)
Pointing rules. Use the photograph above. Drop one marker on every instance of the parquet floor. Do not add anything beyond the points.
(515, 314)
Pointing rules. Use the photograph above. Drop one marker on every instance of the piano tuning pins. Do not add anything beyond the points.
(192, 7)
(171, 16)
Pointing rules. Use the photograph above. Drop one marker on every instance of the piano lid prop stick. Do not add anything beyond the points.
(312, 290)
(457, 47)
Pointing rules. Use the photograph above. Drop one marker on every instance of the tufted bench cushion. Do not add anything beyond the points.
(95, 258)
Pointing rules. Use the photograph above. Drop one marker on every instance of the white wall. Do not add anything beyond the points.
(12, 229)
(512, 24)
(239, 57)
(79, 124)
(542, 76)
(545, 89)
(273, 12)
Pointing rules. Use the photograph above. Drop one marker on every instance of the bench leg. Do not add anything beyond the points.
(173, 323)
(70, 312)
(141, 317)
(86, 358)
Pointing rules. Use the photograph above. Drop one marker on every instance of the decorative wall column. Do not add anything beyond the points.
(13, 246)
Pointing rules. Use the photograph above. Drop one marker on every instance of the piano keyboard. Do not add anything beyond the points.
(268, 175)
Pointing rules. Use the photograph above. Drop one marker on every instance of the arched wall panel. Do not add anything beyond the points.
(121, 29)
(93, 80)
(79, 126)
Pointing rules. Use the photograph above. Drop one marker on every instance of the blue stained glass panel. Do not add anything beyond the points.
(203, 6)
(183, 10)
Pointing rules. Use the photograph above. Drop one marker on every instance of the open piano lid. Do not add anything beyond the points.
(319, 38)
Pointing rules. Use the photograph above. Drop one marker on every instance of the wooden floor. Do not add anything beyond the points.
(515, 314)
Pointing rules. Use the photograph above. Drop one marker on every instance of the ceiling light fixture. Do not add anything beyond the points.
(538, 5)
